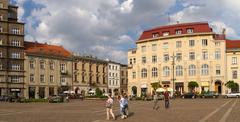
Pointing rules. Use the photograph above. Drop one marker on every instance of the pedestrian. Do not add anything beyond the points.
(126, 105)
(109, 107)
(122, 103)
(166, 99)
(155, 101)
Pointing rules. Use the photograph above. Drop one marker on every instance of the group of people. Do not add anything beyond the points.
(123, 103)
(166, 100)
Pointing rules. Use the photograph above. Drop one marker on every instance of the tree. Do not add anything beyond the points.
(155, 85)
(232, 85)
(98, 92)
(192, 85)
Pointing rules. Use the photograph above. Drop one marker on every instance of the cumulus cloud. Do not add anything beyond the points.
(102, 27)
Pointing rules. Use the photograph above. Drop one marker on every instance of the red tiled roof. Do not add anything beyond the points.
(198, 27)
(46, 49)
(231, 44)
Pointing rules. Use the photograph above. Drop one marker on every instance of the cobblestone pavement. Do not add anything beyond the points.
(181, 110)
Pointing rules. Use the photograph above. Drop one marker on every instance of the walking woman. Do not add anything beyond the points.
(155, 101)
(109, 107)
(166, 99)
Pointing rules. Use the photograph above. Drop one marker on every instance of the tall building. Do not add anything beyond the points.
(11, 50)
(49, 70)
(89, 73)
(174, 55)
(114, 77)
(124, 79)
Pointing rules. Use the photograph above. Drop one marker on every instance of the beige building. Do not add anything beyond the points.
(124, 79)
(176, 54)
(48, 70)
(89, 73)
(11, 50)
(233, 65)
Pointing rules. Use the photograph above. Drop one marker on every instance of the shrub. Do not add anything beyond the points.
(98, 92)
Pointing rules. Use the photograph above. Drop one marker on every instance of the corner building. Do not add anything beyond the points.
(176, 54)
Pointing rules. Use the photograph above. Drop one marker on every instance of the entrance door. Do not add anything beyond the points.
(218, 87)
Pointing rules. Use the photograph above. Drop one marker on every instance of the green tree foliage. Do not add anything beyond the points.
(98, 92)
(231, 85)
(155, 85)
(192, 84)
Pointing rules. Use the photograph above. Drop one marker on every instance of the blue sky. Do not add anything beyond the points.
(108, 28)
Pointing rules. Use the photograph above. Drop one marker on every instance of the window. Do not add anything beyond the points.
(1, 42)
(51, 79)
(204, 55)
(155, 35)
(218, 70)
(133, 75)
(154, 47)
(166, 57)
(234, 60)
(192, 70)
(178, 44)
(217, 43)
(16, 55)
(51, 66)
(204, 69)
(42, 65)
(1, 17)
(179, 70)
(15, 31)
(179, 56)
(63, 80)
(1, 67)
(189, 30)
(234, 74)
(143, 48)
(165, 45)
(16, 67)
(134, 60)
(144, 73)
(192, 55)
(1, 5)
(16, 79)
(144, 60)
(15, 43)
(154, 59)
(217, 54)
(191, 43)
(1, 29)
(165, 33)
(178, 32)
(130, 62)
(1, 54)
(204, 42)
(42, 79)
(166, 71)
(154, 72)
(31, 77)
(63, 68)
(31, 65)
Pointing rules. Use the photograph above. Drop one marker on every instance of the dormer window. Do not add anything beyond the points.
(155, 35)
(178, 32)
(165, 33)
(189, 30)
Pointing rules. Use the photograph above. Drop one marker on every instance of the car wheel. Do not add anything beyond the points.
(237, 96)
(183, 97)
(214, 96)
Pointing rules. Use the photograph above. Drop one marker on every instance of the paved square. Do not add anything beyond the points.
(181, 110)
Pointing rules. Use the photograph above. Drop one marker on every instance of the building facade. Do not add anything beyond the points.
(89, 73)
(174, 55)
(114, 78)
(11, 51)
(48, 69)
(124, 79)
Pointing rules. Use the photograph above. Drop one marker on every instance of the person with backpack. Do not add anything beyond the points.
(166, 99)
(123, 104)
(109, 107)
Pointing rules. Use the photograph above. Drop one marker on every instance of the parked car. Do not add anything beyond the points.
(56, 99)
(189, 95)
(231, 95)
(211, 94)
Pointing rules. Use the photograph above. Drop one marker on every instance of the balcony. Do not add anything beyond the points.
(63, 83)
(64, 72)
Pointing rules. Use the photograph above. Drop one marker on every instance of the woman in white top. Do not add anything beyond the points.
(109, 106)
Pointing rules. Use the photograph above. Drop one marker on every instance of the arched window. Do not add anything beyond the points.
(154, 72)
(192, 70)
(204, 69)
(166, 71)
(144, 73)
(179, 70)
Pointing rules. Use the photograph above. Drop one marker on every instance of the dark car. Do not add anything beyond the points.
(189, 95)
(210, 94)
(55, 99)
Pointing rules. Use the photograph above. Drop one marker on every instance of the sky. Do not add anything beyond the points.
(109, 28)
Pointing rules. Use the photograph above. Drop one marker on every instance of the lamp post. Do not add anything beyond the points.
(173, 66)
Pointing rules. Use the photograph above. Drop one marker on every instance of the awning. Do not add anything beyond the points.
(160, 90)
(169, 89)
(154, 81)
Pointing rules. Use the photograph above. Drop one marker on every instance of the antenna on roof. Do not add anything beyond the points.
(169, 19)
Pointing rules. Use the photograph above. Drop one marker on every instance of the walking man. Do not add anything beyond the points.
(155, 101)
(166, 99)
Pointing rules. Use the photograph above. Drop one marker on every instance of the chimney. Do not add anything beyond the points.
(223, 31)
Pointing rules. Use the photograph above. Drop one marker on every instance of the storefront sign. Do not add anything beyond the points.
(15, 89)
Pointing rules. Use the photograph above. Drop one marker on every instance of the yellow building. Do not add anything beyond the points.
(178, 53)
(48, 70)
(89, 73)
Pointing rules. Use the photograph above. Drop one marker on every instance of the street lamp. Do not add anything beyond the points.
(173, 66)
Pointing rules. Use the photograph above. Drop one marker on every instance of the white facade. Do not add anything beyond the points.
(113, 78)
